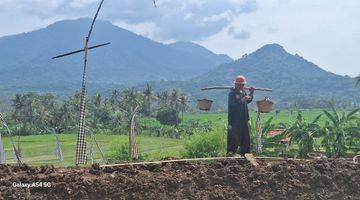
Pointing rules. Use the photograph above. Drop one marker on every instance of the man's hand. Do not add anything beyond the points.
(251, 89)
(246, 98)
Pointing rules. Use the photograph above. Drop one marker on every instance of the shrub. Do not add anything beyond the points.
(121, 154)
(192, 126)
(206, 144)
(168, 116)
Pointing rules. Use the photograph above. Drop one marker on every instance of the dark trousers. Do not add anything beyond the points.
(238, 135)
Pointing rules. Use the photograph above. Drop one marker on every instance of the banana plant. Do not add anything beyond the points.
(338, 130)
(303, 134)
(265, 141)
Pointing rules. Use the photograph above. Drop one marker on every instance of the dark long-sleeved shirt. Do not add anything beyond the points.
(238, 112)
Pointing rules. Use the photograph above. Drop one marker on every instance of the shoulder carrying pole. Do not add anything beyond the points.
(230, 87)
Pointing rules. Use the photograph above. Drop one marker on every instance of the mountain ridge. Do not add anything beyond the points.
(292, 78)
(130, 59)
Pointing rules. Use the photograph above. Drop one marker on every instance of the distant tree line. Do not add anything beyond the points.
(324, 103)
(34, 113)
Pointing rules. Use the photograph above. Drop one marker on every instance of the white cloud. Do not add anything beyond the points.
(324, 32)
(171, 17)
(239, 34)
(81, 3)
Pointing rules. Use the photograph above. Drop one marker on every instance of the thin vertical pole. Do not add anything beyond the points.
(16, 151)
(81, 143)
(258, 134)
(132, 138)
(2, 152)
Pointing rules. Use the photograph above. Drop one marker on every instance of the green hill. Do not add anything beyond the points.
(26, 64)
(293, 79)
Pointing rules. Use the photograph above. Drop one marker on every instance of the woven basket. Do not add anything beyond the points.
(204, 104)
(264, 106)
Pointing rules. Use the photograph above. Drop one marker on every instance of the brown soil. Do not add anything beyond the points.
(225, 179)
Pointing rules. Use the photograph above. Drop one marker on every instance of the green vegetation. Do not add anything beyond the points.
(303, 134)
(34, 113)
(210, 144)
(165, 129)
(341, 128)
(279, 116)
(168, 116)
(38, 149)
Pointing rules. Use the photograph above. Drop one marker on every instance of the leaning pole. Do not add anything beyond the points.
(81, 143)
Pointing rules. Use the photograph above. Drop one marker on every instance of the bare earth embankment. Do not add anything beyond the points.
(221, 179)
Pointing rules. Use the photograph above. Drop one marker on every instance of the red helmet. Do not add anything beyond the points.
(240, 80)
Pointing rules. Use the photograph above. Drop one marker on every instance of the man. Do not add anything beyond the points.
(238, 117)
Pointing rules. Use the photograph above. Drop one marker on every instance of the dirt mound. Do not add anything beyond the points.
(225, 179)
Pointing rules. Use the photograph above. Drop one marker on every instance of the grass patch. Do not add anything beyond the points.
(39, 149)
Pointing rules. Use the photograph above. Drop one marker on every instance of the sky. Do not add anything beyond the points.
(325, 32)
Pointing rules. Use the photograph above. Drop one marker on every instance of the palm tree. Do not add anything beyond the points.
(148, 96)
(17, 104)
(63, 118)
(131, 99)
(114, 100)
(183, 105)
(175, 103)
(96, 104)
(163, 98)
(96, 100)
(174, 100)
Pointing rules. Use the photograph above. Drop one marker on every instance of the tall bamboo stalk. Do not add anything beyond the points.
(258, 134)
(2, 152)
(16, 151)
(132, 138)
(81, 143)
(230, 87)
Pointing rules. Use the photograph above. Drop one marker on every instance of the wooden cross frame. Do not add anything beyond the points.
(16, 150)
(81, 143)
(81, 50)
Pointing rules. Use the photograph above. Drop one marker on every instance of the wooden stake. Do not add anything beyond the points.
(132, 138)
(16, 152)
(2, 152)
(250, 157)
(258, 134)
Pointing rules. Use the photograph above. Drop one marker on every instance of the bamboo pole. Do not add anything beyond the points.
(132, 138)
(230, 87)
(16, 151)
(258, 133)
(81, 143)
(2, 152)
